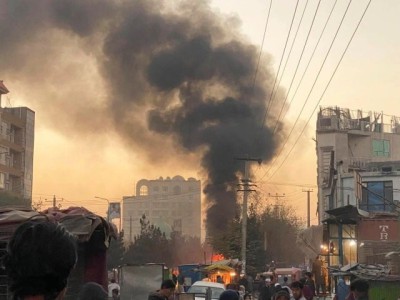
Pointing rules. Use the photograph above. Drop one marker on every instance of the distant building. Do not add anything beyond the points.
(358, 157)
(16, 149)
(171, 204)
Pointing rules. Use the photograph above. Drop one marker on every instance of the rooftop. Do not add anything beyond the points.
(356, 121)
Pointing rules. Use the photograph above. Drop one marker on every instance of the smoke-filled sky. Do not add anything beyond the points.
(125, 90)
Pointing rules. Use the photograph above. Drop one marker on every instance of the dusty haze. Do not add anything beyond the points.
(172, 81)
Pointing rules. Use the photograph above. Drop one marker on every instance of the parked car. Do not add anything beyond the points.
(199, 288)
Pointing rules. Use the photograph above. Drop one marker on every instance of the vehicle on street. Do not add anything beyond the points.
(199, 288)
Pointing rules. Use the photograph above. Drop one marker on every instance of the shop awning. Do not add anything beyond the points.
(346, 214)
(219, 267)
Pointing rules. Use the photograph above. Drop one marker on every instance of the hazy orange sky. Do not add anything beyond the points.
(77, 166)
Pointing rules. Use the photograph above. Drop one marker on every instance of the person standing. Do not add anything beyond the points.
(113, 285)
(115, 294)
(243, 281)
(229, 295)
(342, 290)
(220, 280)
(206, 278)
(167, 290)
(310, 283)
(317, 274)
(297, 290)
(266, 292)
(250, 284)
(282, 295)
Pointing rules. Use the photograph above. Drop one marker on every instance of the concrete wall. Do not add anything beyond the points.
(351, 149)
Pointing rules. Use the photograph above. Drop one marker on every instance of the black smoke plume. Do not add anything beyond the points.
(176, 70)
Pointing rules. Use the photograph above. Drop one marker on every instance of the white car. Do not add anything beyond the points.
(199, 288)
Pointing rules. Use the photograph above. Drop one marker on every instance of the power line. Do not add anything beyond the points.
(262, 46)
(312, 55)
(289, 184)
(291, 49)
(309, 94)
(297, 67)
(329, 82)
(279, 67)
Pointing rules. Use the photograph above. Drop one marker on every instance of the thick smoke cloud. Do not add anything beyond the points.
(179, 71)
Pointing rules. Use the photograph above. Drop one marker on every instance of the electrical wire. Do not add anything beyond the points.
(297, 67)
(311, 57)
(309, 94)
(279, 67)
(262, 46)
(298, 85)
(290, 51)
(329, 82)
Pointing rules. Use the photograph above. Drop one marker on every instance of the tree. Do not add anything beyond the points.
(151, 246)
(271, 235)
(115, 253)
(184, 249)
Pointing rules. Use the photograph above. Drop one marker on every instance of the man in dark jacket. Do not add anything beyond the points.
(266, 290)
(166, 291)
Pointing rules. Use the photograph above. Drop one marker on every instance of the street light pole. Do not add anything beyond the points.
(108, 207)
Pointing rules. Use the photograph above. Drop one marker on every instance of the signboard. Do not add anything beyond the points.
(378, 230)
(114, 211)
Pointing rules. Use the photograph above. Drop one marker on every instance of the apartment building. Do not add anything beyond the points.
(350, 143)
(358, 166)
(17, 126)
(173, 204)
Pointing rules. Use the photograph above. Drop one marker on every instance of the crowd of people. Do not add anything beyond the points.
(41, 255)
(303, 289)
(358, 291)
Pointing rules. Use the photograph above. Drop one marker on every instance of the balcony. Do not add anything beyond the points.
(359, 163)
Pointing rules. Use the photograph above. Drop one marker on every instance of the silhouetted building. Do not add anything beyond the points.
(171, 204)
(17, 127)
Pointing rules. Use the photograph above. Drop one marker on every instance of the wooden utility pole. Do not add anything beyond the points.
(308, 206)
(245, 189)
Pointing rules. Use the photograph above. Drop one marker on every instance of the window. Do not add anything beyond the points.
(144, 190)
(381, 148)
(2, 181)
(377, 196)
(3, 155)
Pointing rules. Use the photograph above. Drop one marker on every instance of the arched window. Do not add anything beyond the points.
(144, 190)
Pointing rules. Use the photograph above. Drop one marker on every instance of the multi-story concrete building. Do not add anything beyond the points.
(171, 204)
(358, 156)
(16, 149)
(350, 142)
